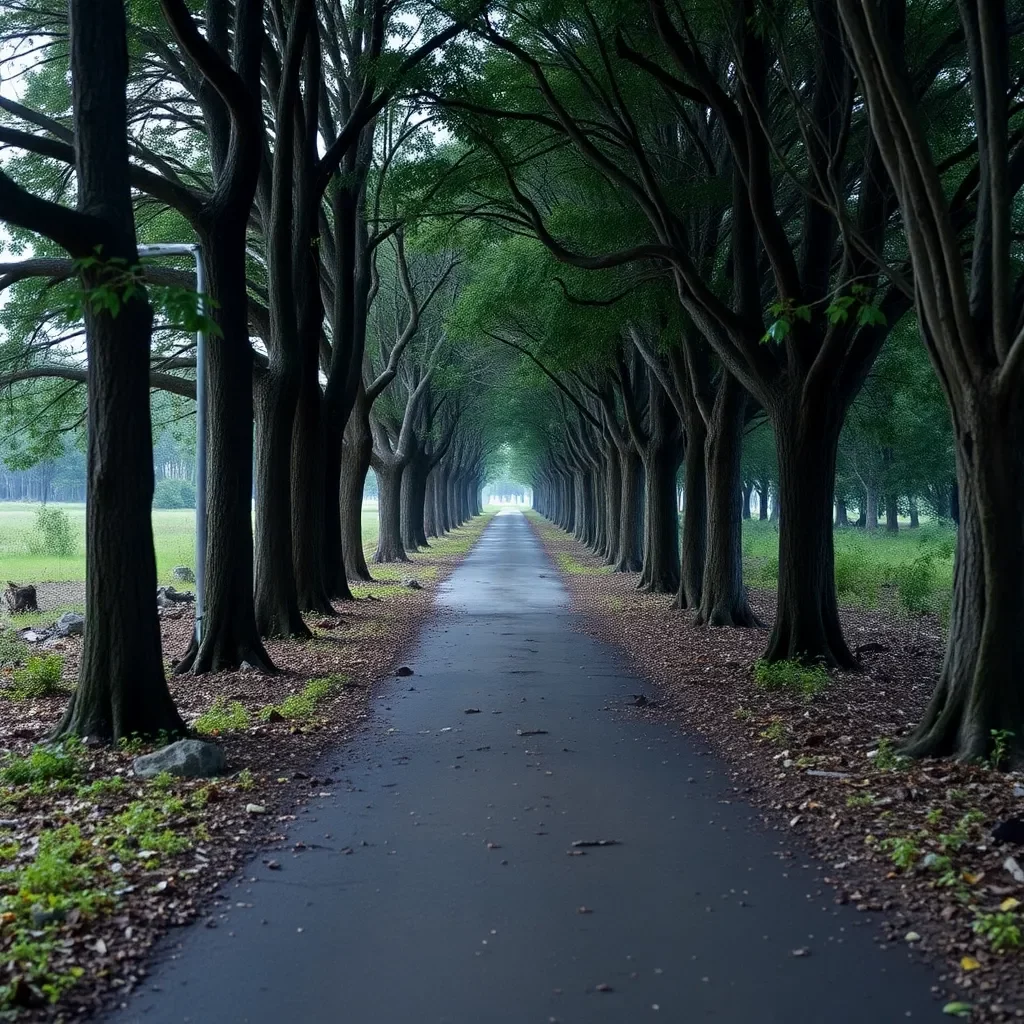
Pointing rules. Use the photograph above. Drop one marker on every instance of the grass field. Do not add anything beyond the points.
(25, 558)
(906, 573)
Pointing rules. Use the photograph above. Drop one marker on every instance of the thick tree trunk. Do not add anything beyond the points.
(429, 505)
(842, 515)
(915, 518)
(355, 466)
(723, 596)
(122, 689)
(693, 551)
(629, 556)
(660, 571)
(762, 502)
(892, 522)
(748, 490)
(979, 690)
(276, 597)
(441, 520)
(612, 502)
(807, 624)
(414, 496)
(309, 529)
(389, 499)
(333, 557)
(871, 508)
(229, 633)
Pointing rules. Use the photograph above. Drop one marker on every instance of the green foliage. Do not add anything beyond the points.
(54, 535)
(143, 828)
(12, 650)
(302, 705)
(245, 780)
(860, 799)
(43, 764)
(886, 759)
(1001, 929)
(1002, 745)
(174, 494)
(40, 677)
(222, 717)
(904, 851)
(776, 732)
(807, 680)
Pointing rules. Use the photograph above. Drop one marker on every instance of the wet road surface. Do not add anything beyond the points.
(459, 902)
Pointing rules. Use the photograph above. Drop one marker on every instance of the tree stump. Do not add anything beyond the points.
(20, 599)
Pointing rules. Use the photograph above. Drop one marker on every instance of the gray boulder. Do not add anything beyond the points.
(69, 624)
(183, 574)
(193, 759)
(412, 584)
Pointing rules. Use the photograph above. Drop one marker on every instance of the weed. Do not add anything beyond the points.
(1002, 741)
(860, 799)
(743, 714)
(245, 780)
(903, 851)
(886, 759)
(302, 705)
(776, 732)
(41, 677)
(1002, 930)
(101, 787)
(222, 717)
(143, 827)
(790, 675)
(934, 816)
(44, 764)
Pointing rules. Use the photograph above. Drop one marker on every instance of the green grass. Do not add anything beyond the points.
(174, 537)
(909, 572)
(790, 675)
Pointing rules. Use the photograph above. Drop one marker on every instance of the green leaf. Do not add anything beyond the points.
(957, 1009)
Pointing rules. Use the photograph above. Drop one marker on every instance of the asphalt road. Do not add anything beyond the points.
(437, 885)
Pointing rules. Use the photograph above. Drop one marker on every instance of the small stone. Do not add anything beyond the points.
(191, 759)
(255, 809)
(412, 584)
(911, 937)
(404, 671)
(801, 951)
(1018, 790)
(183, 574)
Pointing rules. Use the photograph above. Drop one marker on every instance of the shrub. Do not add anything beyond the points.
(1002, 930)
(41, 677)
(44, 764)
(790, 675)
(222, 717)
(53, 534)
(916, 583)
(174, 494)
(12, 650)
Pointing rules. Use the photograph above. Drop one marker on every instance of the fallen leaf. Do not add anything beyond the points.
(957, 1009)
(1009, 904)
(968, 963)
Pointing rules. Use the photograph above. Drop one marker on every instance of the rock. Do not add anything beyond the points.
(255, 809)
(183, 574)
(911, 937)
(1018, 790)
(168, 597)
(412, 584)
(69, 624)
(404, 671)
(175, 612)
(1015, 870)
(35, 636)
(193, 759)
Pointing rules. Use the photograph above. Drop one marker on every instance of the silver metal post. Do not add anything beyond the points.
(184, 249)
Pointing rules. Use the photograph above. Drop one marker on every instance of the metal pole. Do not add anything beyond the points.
(189, 249)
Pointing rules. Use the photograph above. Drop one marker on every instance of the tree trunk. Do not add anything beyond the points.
(842, 515)
(612, 502)
(807, 624)
(276, 597)
(355, 466)
(629, 557)
(389, 499)
(748, 490)
(122, 689)
(892, 523)
(915, 518)
(660, 572)
(414, 496)
(978, 691)
(723, 596)
(429, 505)
(762, 502)
(871, 508)
(229, 628)
(441, 520)
(693, 553)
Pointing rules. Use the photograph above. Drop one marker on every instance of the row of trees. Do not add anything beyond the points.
(742, 205)
(274, 136)
(766, 245)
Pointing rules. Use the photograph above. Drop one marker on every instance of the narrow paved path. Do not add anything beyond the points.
(458, 903)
